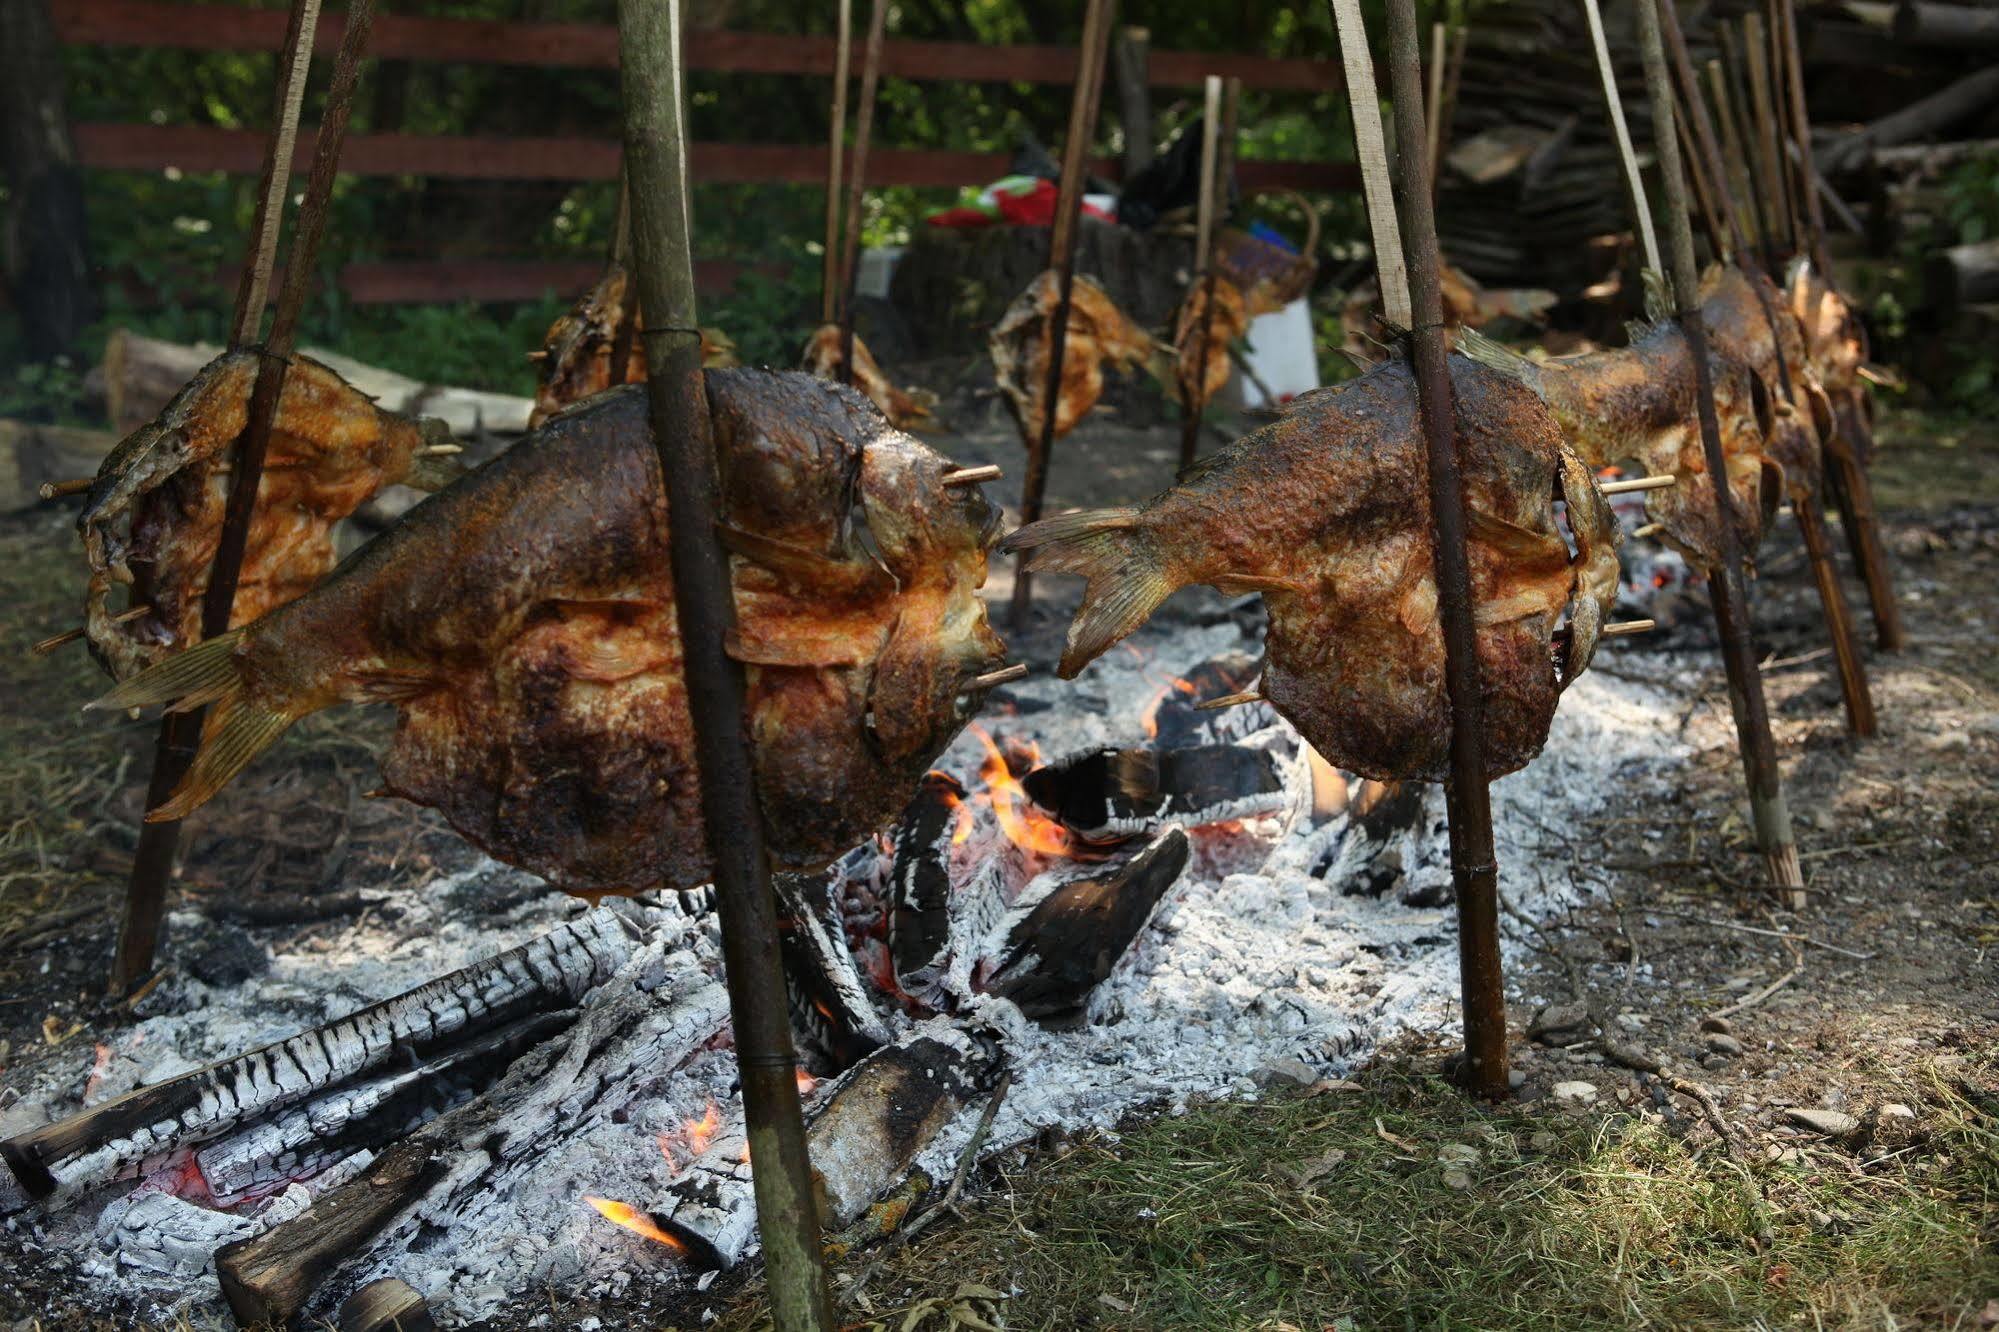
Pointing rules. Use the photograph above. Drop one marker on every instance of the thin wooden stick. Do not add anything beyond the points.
(1661, 481)
(1702, 123)
(293, 65)
(864, 123)
(1756, 60)
(1731, 99)
(1853, 690)
(1634, 182)
(704, 605)
(1467, 798)
(1453, 76)
(76, 485)
(1433, 100)
(843, 55)
(1193, 392)
(1090, 57)
(1771, 816)
(1627, 627)
(1371, 149)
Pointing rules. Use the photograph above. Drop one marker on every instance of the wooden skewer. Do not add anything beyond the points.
(1650, 530)
(58, 489)
(1004, 675)
(829, 280)
(1641, 211)
(972, 476)
(1627, 627)
(439, 450)
(54, 641)
(1659, 482)
(1251, 695)
(536, 355)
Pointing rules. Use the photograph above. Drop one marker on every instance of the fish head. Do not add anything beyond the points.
(922, 529)
(921, 695)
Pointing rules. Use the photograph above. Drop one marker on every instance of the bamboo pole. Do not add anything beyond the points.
(864, 123)
(704, 606)
(1371, 150)
(1771, 815)
(836, 139)
(1641, 212)
(1467, 797)
(180, 732)
(1090, 57)
(1193, 393)
(1734, 242)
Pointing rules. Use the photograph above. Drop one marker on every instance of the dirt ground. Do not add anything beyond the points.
(1794, 1041)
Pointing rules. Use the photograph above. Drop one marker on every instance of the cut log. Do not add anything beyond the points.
(829, 1001)
(140, 1129)
(1112, 794)
(864, 1134)
(1957, 27)
(1926, 159)
(1920, 120)
(140, 374)
(1961, 276)
(388, 1305)
(919, 919)
(1058, 946)
(32, 456)
(624, 1041)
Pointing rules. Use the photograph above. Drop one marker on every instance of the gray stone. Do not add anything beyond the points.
(1896, 1110)
(1721, 1043)
(1830, 1123)
(1516, 1078)
(1560, 1023)
(1575, 1093)
(1289, 1071)
(1719, 1024)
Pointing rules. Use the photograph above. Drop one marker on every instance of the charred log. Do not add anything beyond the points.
(387, 1305)
(1960, 276)
(122, 1137)
(1069, 940)
(919, 921)
(829, 1001)
(1112, 794)
(863, 1135)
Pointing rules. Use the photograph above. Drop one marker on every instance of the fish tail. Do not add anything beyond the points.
(237, 731)
(1128, 577)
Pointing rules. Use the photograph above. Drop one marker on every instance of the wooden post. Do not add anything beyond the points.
(1193, 395)
(1771, 815)
(1134, 84)
(704, 606)
(1467, 798)
(836, 138)
(1090, 56)
(180, 732)
(864, 123)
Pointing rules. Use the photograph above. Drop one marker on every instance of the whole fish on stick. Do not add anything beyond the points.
(1021, 344)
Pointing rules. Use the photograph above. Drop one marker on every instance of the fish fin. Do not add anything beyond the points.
(794, 563)
(237, 732)
(1476, 346)
(1128, 579)
(1235, 585)
(200, 675)
(1658, 300)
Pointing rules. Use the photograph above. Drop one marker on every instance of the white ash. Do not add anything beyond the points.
(1261, 953)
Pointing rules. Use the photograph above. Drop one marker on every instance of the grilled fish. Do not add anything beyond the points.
(1097, 331)
(579, 352)
(152, 518)
(1203, 367)
(906, 409)
(1750, 325)
(522, 623)
(1326, 512)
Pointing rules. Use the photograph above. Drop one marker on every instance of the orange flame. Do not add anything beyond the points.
(1149, 719)
(1023, 825)
(692, 1138)
(98, 1068)
(632, 1219)
(806, 1082)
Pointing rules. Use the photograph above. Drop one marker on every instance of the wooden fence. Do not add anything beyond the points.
(161, 24)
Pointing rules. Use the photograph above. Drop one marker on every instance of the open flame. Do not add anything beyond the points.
(692, 1138)
(632, 1219)
(1149, 719)
(1024, 825)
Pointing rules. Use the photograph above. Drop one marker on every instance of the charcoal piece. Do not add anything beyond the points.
(919, 921)
(1109, 794)
(226, 956)
(829, 1001)
(1069, 941)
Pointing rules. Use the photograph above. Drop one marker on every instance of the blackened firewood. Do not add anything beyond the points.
(829, 1002)
(919, 922)
(1107, 794)
(118, 1139)
(1066, 944)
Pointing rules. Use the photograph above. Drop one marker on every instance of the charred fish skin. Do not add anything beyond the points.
(1325, 511)
(152, 519)
(1021, 344)
(1750, 325)
(522, 622)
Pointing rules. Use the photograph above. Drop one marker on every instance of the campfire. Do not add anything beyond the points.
(1112, 896)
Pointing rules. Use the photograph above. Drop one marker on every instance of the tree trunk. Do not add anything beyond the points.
(1935, 113)
(47, 262)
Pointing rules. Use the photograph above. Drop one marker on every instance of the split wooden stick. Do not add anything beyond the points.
(1634, 182)
(829, 276)
(864, 122)
(1371, 149)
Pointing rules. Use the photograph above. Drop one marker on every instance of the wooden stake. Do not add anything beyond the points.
(1634, 182)
(1090, 56)
(1756, 62)
(180, 732)
(1771, 816)
(1467, 799)
(1853, 690)
(704, 605)
(1433, 101)
(1371, 149)
(864, 123)
(843, 55)
(1734, 242)
(1731, 97)
(1194, 392)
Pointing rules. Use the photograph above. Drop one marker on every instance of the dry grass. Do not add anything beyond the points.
(1432, 1211)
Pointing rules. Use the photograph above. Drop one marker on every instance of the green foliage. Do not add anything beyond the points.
(1971, 194)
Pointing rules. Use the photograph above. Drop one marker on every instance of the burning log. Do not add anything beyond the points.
(919, 922)
(136, 1131)
(1111, 794)
(829, 1001)
(624, 1040)
(863, 1137)
(1059, 946)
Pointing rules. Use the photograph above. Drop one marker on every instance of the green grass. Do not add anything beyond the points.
(1200, 1221)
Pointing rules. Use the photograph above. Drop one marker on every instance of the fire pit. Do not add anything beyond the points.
(1109, 894)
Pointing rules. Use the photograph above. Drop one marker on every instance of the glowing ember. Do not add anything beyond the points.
(1023, 825)
(806, 1082)
(97, 1071)
(692, 1138)
(632, 1219)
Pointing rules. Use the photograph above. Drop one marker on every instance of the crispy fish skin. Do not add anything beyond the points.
(1229, 322)
(1637, 405)
(1836, 348)
(579, 349)
(906, 409)
(1750, 325)
(1022, 342)
(153, 517)
(1326, 512)
(522, 622)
